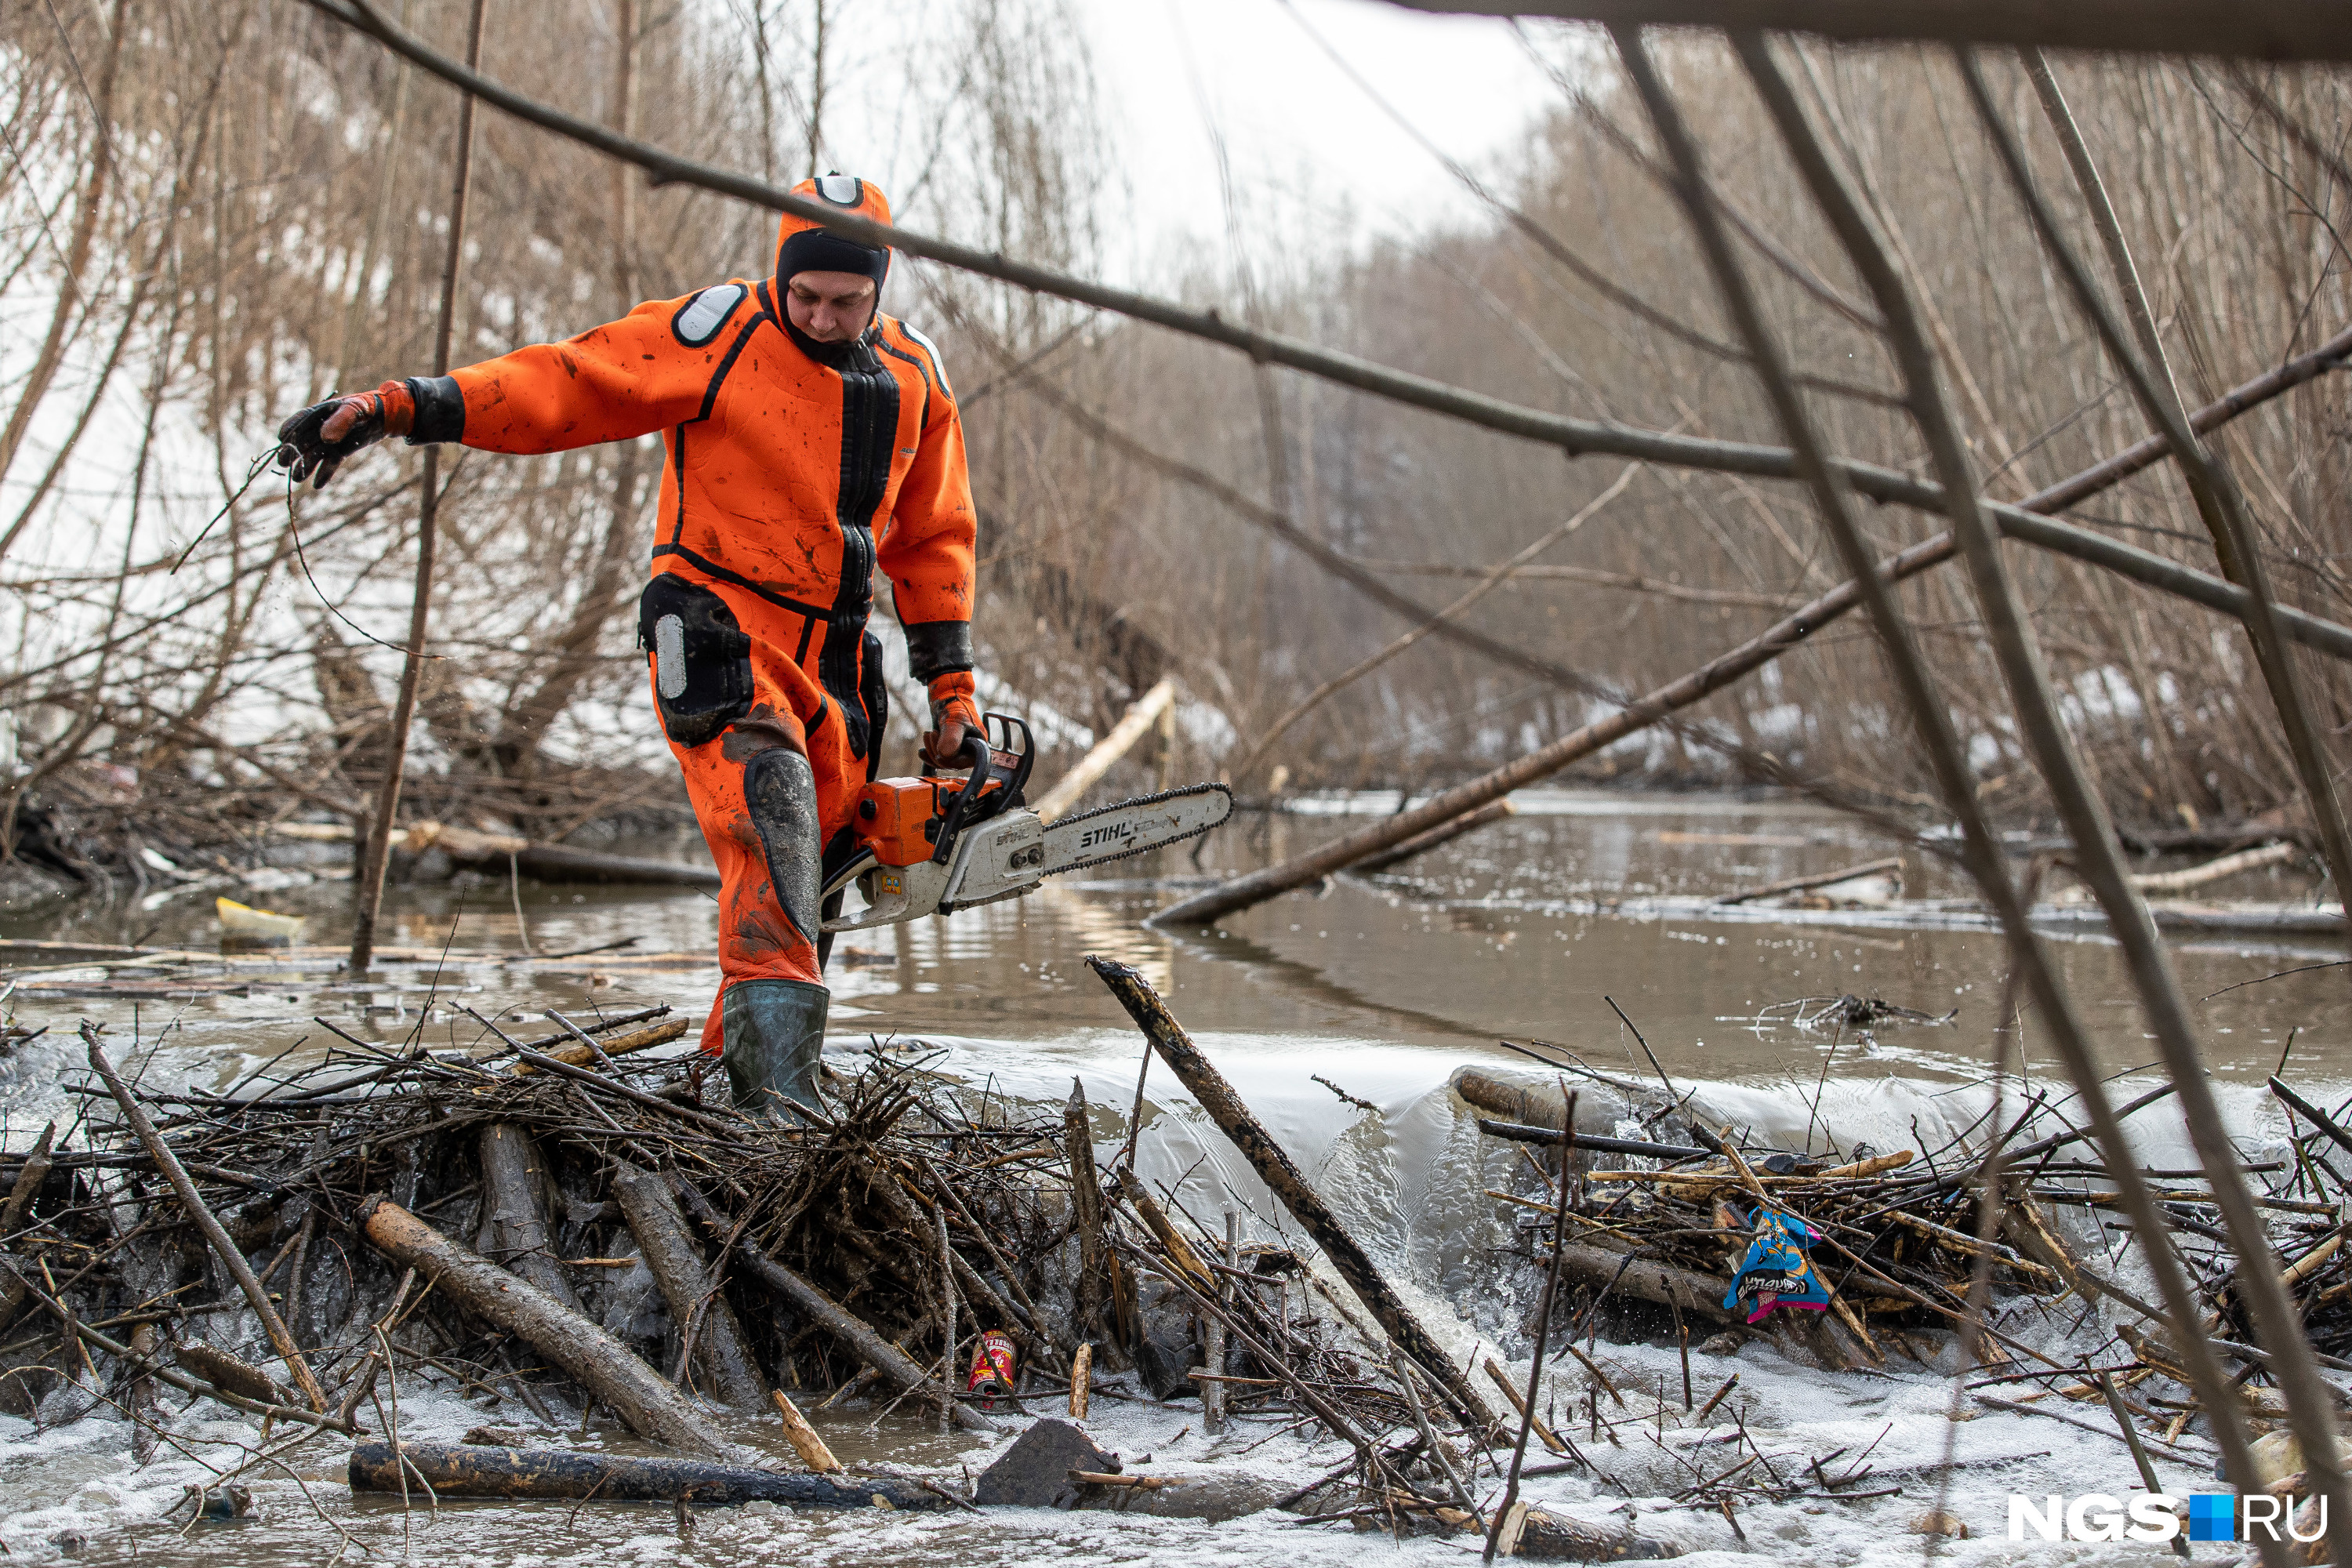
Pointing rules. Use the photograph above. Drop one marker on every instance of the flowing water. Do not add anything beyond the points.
(1376, 992)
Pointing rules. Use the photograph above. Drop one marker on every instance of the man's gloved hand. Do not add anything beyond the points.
(953, 714)
(314, 443)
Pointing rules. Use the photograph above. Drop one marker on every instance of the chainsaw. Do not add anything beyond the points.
(934, 846)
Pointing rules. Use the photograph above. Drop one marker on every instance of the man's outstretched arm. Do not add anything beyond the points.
(643, 373)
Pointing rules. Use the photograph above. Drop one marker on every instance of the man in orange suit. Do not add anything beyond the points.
(809, 439)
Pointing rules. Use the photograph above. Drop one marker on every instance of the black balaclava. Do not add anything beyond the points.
(822, 250)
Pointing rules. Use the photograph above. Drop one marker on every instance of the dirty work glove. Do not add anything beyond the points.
(954, 712)
(314, 443)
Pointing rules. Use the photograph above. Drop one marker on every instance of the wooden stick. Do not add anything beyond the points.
(35, 1172)
(231, 1258)
(802, 1436)
(1544, 1434)
(1274, 1167)
(1082, 1373)
(579, 1055)
(596, 1360)
(1507, 1508)
(377, 855)
(1086, 1198)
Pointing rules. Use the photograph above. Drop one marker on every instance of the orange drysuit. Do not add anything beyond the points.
(792, 470)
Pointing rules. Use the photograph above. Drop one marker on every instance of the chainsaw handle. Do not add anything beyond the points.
(1027, 755)
(961, 813)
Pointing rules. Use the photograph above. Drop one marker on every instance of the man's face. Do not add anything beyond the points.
(831, 307)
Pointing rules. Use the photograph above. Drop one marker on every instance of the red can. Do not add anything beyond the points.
(992, 1369)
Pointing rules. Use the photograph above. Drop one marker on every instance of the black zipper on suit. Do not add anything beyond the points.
(870, 434)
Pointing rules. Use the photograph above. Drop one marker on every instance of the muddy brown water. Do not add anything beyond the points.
(1383, 989)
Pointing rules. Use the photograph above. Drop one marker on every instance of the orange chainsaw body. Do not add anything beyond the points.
(899, 819)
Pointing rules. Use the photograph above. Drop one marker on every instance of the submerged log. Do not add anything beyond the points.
(1893, 863)
(514, 1228)
(1554, 1538)
(457, 1470)
(697, 1305)
(651, 1406)
(1275, 1168)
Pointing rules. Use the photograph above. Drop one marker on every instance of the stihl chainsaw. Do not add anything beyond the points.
(934, 846)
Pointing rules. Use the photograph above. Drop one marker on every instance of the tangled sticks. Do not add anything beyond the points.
(467, 1219)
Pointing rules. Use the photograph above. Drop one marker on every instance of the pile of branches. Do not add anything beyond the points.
(393, 1206)
(1656, 1231)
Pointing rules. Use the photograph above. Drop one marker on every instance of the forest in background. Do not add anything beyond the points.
(212, 214)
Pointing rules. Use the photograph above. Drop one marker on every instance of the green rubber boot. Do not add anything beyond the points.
(774, 1038)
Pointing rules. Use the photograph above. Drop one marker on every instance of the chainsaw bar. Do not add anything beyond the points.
(1070, 836)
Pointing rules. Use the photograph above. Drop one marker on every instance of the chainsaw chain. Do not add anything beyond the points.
(1142, 800)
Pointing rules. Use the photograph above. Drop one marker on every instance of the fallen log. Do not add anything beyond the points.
(1818, 879)
(546, 862)
(1661, 1283)
(1282, 1177)
(2189, 876)
(514, 1230)
(1132, 726)
(459, 1470)
(892, 1365)
(1443, 833)
(705, 1322)
(647, 1402)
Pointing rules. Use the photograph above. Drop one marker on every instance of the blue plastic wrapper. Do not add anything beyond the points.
(1776, 1272)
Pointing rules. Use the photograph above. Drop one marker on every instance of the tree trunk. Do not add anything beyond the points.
(697, 1305)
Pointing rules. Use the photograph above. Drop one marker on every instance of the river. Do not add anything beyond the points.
(1378, 991)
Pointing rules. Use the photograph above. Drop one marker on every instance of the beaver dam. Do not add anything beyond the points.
(337, 1307)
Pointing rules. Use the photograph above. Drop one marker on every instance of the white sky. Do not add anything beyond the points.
(1168, 71)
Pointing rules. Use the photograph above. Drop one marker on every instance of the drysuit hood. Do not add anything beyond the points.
(805, 247)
